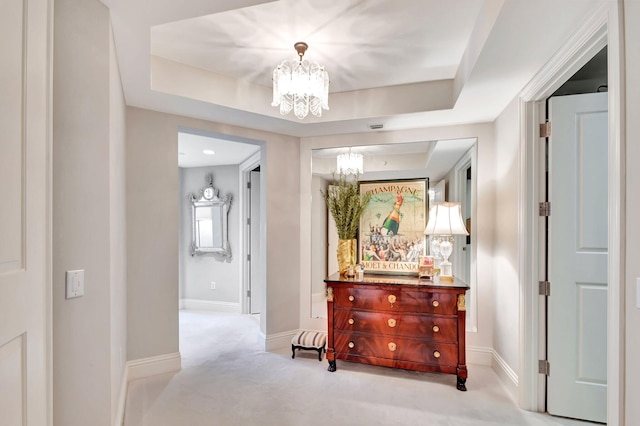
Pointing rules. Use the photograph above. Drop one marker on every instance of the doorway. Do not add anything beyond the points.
(255, 291)
(207, 281)
(465, 248)
(598, 32)
(576, 256)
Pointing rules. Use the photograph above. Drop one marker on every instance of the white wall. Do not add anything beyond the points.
(184, 237)
(198, 271)
(118, 229)
(506, 300)
(88, 212)
(632, 51)
(152, 230)
(153, 223)
(319, 258)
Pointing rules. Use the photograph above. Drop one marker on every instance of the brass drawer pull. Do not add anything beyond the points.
(351, 298)
(392, 346)
(351, 321)
(436, 328)
(391, 322)
(351, 345)
(436, 303)
(436, 354)
(392, 298)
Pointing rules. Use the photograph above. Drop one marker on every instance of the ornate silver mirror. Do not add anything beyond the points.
(209, 222)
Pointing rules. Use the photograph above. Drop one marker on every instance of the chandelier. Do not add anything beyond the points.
(350, 163)
(300, 85)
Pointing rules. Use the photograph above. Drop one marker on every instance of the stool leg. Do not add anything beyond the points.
(319, 354)
(293, 351)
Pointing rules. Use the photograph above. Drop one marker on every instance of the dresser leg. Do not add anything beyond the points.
(332, 366)
(461, 384)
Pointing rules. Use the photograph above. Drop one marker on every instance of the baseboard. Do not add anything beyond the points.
(507, 376)
(488, 357)
(122, 397)
(145, 367)
(479, 355)
(277, 341)
(211, 305)
(139, 369)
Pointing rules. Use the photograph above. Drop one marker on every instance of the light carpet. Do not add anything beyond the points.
(227, 380)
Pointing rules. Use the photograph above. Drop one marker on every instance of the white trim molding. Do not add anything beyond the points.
(477, 355)
(488, 357)
(617, 218)
(603, 29)
(140, 369)
(273, 342)
(211, 305)
(244, 169)
(122, 397)
(469, 159)
(146, 367)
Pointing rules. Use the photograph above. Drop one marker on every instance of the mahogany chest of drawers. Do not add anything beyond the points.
(399, 322)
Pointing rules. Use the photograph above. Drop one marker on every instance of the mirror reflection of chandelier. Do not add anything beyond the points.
(350, 163)
(301, 86)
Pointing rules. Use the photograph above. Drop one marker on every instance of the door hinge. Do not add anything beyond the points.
(544, 209)
(248, 293)
(248, 185)
(248, 221)
(544, 288)
(545, 129)
(544, 367)
(249, 257)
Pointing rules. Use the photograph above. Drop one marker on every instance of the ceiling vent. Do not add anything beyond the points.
(376, 126)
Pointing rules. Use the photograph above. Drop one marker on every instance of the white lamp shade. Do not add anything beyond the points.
(445, 219)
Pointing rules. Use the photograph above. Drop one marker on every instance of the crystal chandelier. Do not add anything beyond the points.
(300, 85)
(350, 163)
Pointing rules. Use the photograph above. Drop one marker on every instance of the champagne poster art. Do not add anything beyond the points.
(391, 235)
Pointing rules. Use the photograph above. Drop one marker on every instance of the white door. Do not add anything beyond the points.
(577, 263)
(256, 287)
(24, 114)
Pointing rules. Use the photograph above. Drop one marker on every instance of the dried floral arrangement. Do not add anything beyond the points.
(345, 204)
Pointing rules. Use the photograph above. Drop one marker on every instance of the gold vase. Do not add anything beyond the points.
(346, 255)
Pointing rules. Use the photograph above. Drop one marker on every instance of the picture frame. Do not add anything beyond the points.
(391, 232)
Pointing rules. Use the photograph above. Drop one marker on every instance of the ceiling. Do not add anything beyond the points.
(403, 64)
(398, 161)
(196, 150)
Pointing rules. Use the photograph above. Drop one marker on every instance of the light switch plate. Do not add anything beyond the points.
(75, 283)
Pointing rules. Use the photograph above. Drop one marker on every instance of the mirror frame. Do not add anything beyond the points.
(212, 201)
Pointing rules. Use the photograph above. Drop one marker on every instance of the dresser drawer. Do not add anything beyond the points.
(395, 300)
(390, 347)
(424, 326)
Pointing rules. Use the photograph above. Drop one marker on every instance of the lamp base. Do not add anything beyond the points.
(446, 268)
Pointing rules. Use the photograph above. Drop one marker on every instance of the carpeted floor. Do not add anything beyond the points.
(226, 380)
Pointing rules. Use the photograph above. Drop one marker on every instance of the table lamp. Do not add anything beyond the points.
(445, 221)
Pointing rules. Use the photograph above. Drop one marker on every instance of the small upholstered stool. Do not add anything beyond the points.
(310, 340)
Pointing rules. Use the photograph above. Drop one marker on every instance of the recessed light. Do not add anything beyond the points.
(208, 152)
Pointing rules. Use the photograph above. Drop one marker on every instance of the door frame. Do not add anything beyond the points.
(245, 169)
(604, 28)
(458, 190)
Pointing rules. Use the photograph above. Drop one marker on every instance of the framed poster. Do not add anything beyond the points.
(391, 235)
